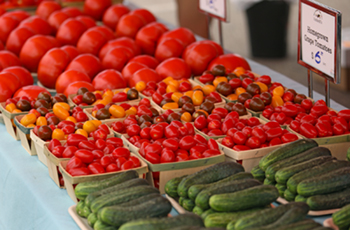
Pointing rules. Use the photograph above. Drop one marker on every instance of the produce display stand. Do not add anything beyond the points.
(8, 118)
(80, 221)
(175, 203)
(23, 135)
(70, 181)
(330, 224)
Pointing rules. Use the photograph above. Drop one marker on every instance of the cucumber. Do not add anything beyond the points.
(181, 199)
(301, 225)
(85, 212)
(329, 201)
(127, 184)
(269, 182)
(92, 218)
(118, 214)
(268, 216)
(281, 188)
(326, 167)
(341, 218)
(188, 204)
(209, 175)
(171, 186)
(322, 228)
(99, 225)
(85, 188)
(284, 174)
(197, 188)
(299, 198)
(202, 199)
(207, 213)
(248, 198)
(183, 220)
(288, 195)
(121, 196)
(79, 207)
(221, 219)
(258, 173)
(293, 215)
(141, 200)
(328, 183)
(197, 210)
(286, 151)
(195, 228)
(299, 158)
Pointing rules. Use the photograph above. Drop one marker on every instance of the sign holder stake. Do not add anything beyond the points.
(310, 83)
(327, 91)
(220, 34)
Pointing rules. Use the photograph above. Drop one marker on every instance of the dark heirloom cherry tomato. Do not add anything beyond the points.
(86, 156)
(86, 145)
(212, 144)
(308, 130)
(78, 171)
(96, 168)
(74, 139)
(167, 156)
(74, 162)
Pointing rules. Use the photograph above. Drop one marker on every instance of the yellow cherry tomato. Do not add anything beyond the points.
(277, 101)
(64, 105)
(176, 96)
(207, 89)
(72, 119)
(196, 87)
(82, 132)
(40, 121)
(17, 111)
(278, 91)
(89, 126)
(107, 98)
(117, 111)
(130, 112)
(96, 123)
(197, 97)
(186, 117)
(170, 105)
(58, 134)
(10, 107)
(30, 118)
(60, 111)
(140, 86)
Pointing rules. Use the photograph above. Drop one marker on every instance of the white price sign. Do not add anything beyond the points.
(319, 39)
(215, 8)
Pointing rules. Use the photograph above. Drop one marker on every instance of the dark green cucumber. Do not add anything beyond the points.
(118, 214)
(202, 199)
(197, 188)
(221, 219)
(286, 151)
(324, 168)
(92, 218)
(281, 188)
(195, 228)
(181, 200)
(284, 174)
(188, 204)
(254, 197)
(258, 173)
(127, 184)
(197, 210)
(301, 157)
(268, 182)
(183, 220)
(207, 213)
(288, 195)
(85, 212)
(85, 188)
(299, 198)
(266, 216)
(209, 175)
(329, 201)
(300, 225)
(171, 186)
(121, 196)
(331, 182)
(99, 225)
(322, 228)
(140, 200)
(79, 207)
(341, 218)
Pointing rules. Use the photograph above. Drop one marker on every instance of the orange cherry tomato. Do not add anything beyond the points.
(240, 90)
(41, 121)
(58, 134)
(278, 91)
(30, 118)
(171, 88)
(197, 97)
(117, 111)
(10, 107)
(176, 96)
(277, 101)
(232, 97)
(217, 80)
(189, 93)
(171, 105)
(89, 126)
(70, 118)
(96, 123)
(207, 89)
(140, 86)
(82, 132)
(60, 111)
(239, 71)
(263, 87)
(186, 116)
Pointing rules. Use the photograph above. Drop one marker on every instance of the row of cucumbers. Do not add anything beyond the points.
(341, 218)
(303, 171)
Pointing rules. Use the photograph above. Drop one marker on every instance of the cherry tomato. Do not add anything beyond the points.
(167, 156)
(96, 168)
(74, 162)
(78, 171)
(121, 152)
(275, 141)
(228, 142)
(253, 142)
(308, 130)
(127, 165)
(157, 132)
(112, 168)
(211, 152)
(108, 79)
(152, 157)
(74, 139)
(212, 144)
(84, 155)
(182, 157)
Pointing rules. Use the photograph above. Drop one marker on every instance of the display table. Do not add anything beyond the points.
(29, 199)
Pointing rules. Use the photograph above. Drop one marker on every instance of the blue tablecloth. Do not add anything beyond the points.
(29, 199)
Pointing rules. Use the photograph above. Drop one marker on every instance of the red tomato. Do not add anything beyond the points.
(131, 68)
(51, 65)
(73, 87)
(123, 41)
(17, 38)
(117, 57)
(53, 143)
(275, 141)
(72, 11)
(5, 91)
(168, 48)
(146, 16)
(308, 130)
(70, 31)
(84, 155)
(96, 168)
(129, 25)
(57, 151)
(211, 153)
(78, 171)
(96, 8)
(115, 141)
(253, 142)
(239, 138)
(56, 19)
(145, 75)
(19, 14)
(147, 37)
(91, 41)
(37, 24)
(88, 21)
(175, 67)
(109, 79)
(182, 157)
(46, 8)
(167, 156)
(86, 63)
(8, 59)
(112, 168)
(146, 60)
(7, 24)
(68, 77)
(34, 49)
(185, 35)
(31, 91)
(289, 137)
(112, 15)
(72, 51)
(230, 61)
(152, 157)
(127, 165)
(69, 152)
(11, 80)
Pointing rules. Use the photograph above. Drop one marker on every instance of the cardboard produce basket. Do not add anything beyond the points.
(168, 171)
(8, 120)
(70, 181)
(23, 134)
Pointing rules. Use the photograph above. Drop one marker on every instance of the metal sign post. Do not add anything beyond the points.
(216, 9)
(319, 41)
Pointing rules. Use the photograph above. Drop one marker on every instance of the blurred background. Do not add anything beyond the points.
(236, 39)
